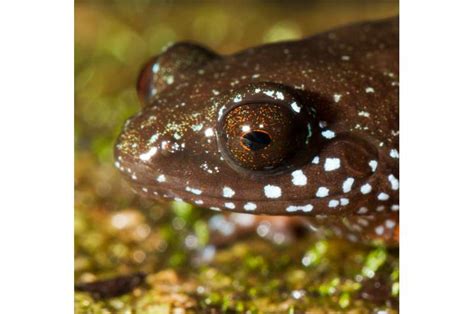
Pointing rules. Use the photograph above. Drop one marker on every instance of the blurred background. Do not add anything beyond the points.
(118, 233)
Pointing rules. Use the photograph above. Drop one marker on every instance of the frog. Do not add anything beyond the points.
(305, 129)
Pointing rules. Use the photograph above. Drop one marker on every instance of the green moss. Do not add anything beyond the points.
(315, 254)
(374, 260)
(344, 300)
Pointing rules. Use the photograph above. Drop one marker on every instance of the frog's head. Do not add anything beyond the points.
(236, 133)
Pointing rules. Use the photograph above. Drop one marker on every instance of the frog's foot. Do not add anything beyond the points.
(225, 229)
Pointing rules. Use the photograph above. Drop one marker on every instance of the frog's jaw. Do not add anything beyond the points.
(367, 205)
(332, 184)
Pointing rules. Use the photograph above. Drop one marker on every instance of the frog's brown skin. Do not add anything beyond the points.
(345, 80)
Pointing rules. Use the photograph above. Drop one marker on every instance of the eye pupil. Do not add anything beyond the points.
(256, 140)
(262, 137)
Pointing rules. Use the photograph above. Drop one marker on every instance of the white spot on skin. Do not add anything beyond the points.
(229, 205)
(395, 208)
(250, 206)
(272, 191)
(344, 201)
(193, 190)
(345, 58)
(328, 134)
(269, 93)
(196, 127)
(315, 160)
(333, 203)
(379, 230)
(298, 178)
(337, 97)
(366, 188)
(199, 202)
(383, 196)
(394, 153)
(373, 165)
(322, 192)
(245, 128)
(295, 107)
(161, 178)
(209, 132)
(279, 95)
(153, 139)
(238, 98)
(369, 90)
(332, 164)
(362, 210)
(146, 156)
(347, 184)
(364, 114)
(169, 79)
(227, 192)
(393, 182)
(305, 208)
(390, 223)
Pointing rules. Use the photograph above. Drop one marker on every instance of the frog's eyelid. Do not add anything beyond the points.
(257, 93)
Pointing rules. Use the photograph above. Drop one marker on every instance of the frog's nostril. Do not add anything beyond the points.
(256, 140)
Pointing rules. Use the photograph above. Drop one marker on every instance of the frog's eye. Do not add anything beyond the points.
(265, 129)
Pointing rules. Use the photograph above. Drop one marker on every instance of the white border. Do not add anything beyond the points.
(36, 156)
(437, 157)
